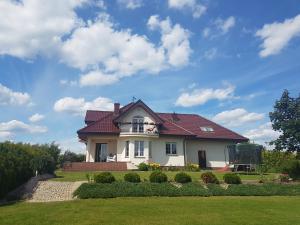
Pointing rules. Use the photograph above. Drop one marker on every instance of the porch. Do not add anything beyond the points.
(101, 150)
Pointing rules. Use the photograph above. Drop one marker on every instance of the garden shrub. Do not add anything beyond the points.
(232, 178)
(158, 177)
(132, 177)
(273, 160)
(104, 177)
(182, 178)
(193, 167)
(143, 167)
(154, 166)
(292, 168)
(284, 178)
(209, 178)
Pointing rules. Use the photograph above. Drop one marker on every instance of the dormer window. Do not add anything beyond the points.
(138, 124)
(207, 129)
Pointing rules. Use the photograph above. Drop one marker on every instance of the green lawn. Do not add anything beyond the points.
(78, 176)
(158, 210)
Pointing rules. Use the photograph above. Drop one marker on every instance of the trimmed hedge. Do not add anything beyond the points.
(232, 178)
(104, 177)
(158, 177)
(19, 162)
(126, 189)
(182, 178)
(132, 177)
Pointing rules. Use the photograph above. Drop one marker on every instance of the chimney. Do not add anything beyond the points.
(116, 109)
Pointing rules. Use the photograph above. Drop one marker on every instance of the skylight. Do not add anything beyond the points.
(207, 129)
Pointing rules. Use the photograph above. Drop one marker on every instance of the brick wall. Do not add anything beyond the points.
(95, 166)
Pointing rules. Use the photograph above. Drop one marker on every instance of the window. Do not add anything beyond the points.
(171, 149)
(138, 124)
(139, 149)
(150, 149)
(207, 129)
(127, 149)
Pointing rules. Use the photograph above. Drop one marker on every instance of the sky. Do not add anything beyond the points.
(228, 61)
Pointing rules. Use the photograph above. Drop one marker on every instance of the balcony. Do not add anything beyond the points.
(138, 130)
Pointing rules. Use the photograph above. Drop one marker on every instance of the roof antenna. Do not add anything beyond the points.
(133, 99)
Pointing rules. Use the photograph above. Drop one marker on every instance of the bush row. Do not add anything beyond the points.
(160, 177)
(126, 189)
(19, 162)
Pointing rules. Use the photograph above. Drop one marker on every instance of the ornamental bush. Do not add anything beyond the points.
(158, 177)
(182, 178)
(104, 177)
(132, 177)
(192, 167)
(154, 166)
(143, 167)
(292, 168)
(209, 178)
(232, 178)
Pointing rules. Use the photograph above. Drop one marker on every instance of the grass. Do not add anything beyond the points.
(79, 176)
(158, 211)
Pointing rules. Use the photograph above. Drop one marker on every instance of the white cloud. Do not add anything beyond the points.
(237, 117)
(174, 39)
(31, 27)
(9, 97)
(211, 53)
(225, 25)
(201, 96)
(36, 117)
(71, 83)
(117, 52)
(78, 106)
(72, 144)
(206, 32)
(263, 134)
(131, 4)
(97, 78)
(276, 36)
(219, 27)
(197, 9)
(13, 127)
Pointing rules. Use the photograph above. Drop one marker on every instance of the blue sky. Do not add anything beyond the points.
(225, 60)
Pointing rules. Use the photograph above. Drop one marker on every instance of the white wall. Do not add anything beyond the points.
(216, 152)
(136, 112)
(158, 151)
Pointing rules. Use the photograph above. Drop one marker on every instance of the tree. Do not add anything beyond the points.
(286, 119)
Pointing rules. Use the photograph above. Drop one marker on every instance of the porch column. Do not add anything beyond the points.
(88, 151)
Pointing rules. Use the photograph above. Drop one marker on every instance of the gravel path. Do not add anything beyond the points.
(48, 191)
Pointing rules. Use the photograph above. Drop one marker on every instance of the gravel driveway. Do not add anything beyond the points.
(48, 191)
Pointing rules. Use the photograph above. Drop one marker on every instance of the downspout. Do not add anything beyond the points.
(184, 151)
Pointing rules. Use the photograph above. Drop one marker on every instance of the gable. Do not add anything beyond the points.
(139, 105)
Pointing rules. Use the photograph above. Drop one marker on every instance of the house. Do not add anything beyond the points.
(135, 133)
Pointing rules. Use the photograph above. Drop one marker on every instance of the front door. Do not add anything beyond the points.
(202, 159)
(101, 152)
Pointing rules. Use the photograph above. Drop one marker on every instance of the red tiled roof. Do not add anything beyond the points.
(192, 123)
(103, 125)
(172, 124)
